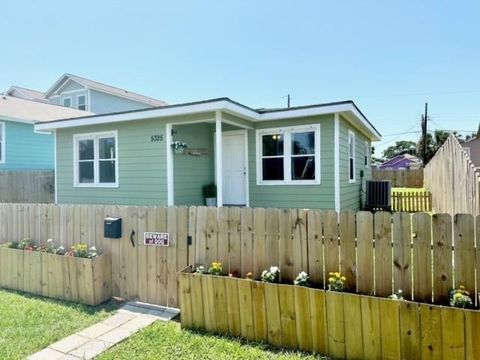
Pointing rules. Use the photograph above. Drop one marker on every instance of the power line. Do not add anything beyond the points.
(419, 94)
(401, 133)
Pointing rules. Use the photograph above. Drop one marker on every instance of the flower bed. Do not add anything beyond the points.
(338, 324)
(66, 275)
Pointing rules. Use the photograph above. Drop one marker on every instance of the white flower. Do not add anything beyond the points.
(274, 269)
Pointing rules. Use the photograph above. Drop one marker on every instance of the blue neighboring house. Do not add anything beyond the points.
(84, 94)
(71, 96)
(21, 147)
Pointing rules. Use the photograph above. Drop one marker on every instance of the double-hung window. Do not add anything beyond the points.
(351, 156)
(289, 155)
(81, 102)
(96, 160)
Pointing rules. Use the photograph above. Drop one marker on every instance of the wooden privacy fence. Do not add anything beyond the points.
(453, 180)
(378, 253)
(29, 186)
(412, 201)
(400, 178)
(340, 325)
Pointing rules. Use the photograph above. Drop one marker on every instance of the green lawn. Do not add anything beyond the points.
(29, 323)
(167, 341)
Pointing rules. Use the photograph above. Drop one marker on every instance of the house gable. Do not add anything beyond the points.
(102, 98)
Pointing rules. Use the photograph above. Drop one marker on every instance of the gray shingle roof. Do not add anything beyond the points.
(14, 108)
(25, 93)
(95, 85)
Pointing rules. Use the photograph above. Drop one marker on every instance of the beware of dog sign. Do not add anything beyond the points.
(156, 238)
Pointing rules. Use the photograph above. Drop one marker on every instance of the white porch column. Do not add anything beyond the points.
(336, 163)
(219, 157)
(170, 187)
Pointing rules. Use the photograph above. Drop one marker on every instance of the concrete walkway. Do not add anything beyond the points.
(94, 340)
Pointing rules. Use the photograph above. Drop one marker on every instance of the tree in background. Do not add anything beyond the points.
(400, 148)
(434, 142)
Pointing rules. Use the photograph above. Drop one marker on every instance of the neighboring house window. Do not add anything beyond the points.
(289, 155)
(67, 101)
(351, 156)
(2, 142)
(96, 160)
(367, 154)
(81, 102)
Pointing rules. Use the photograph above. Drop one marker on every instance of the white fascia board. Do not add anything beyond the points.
(315, 111)
(49, 91)
(221, 105)
(132, 116)
(20, 120)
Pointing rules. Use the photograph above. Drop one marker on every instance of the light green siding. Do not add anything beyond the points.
(296, 196)
(350, 193)
(143, 168)
(192, 172)
(142, 164)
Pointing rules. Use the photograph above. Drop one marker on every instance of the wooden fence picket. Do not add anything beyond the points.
(402, 263)
(365, 258)
(383, 253)
(330, 240)
(464, 252)
(422, 257)
(348, 259)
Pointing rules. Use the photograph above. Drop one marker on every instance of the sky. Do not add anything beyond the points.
(390, 57)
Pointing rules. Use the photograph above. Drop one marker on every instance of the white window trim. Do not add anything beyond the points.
(351, 134)
(286, 132)
(86, 101)
(367, 154)
(3, 157)
(95, 137)
(63, 101)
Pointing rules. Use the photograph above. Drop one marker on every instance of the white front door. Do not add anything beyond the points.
(234, 168)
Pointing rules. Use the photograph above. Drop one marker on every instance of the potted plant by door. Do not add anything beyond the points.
(210, 194)
(179, 147)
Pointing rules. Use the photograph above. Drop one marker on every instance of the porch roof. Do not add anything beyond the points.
(348, 108)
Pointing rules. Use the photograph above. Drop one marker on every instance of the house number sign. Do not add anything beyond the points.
(156, 138)
(156, 238)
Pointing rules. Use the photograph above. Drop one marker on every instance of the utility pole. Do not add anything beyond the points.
(288, 100)
(424, 135)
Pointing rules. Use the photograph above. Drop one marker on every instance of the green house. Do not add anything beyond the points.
(314, 156)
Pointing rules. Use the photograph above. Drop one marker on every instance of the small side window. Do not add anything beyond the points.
(67, 102)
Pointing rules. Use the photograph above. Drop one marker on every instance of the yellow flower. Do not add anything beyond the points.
(331, 279)
(344, 278)
(337, 274)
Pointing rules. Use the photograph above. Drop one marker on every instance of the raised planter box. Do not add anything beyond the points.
(86, 281)
(340, 325)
